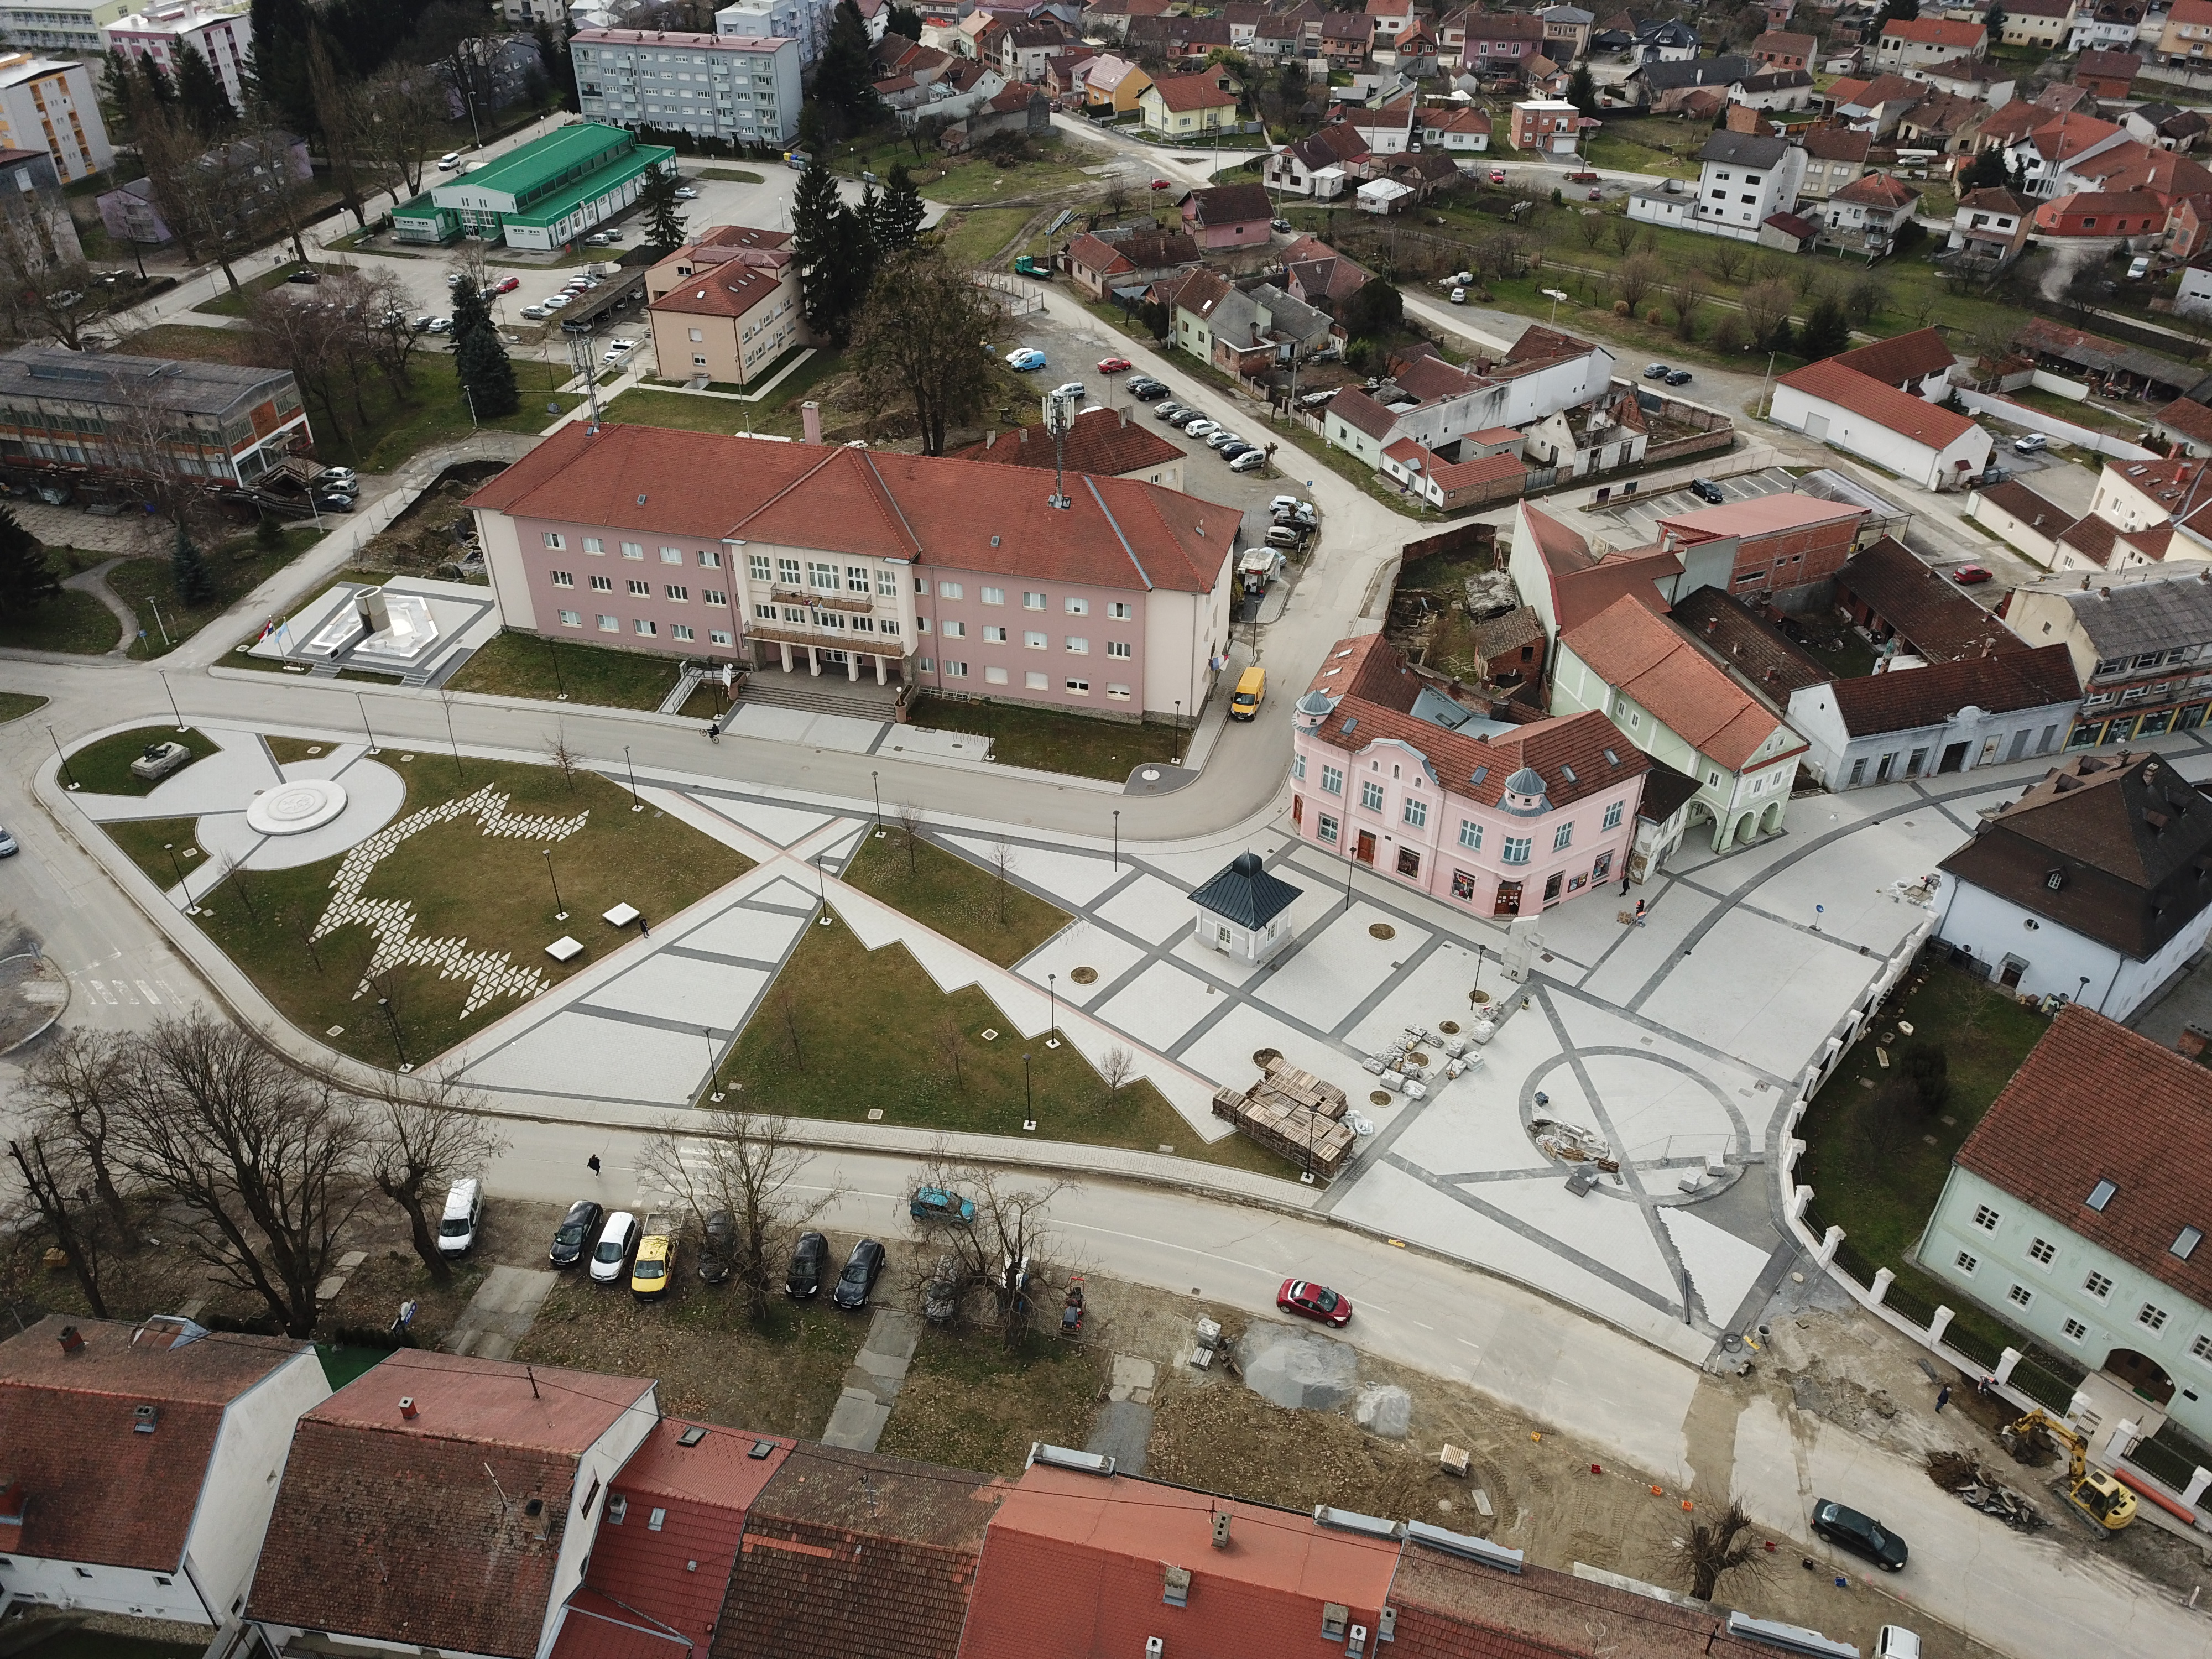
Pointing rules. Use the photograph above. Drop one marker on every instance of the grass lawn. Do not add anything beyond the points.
(948, 895)
(1875, 1159)
(641, 407)
(1055, 167)
(1649, 145)
(2089, 412)
(875, 1034)
(492, 890)
(531, 665)
(149, 842)
(104, 768)
(72, 622)
(978, 237)
(971, 1402)
(1845, 651)
(14, 705)
(1052, 742)
(232, 302)
(239, 566)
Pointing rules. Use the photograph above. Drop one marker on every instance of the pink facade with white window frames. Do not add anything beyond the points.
(987, 634)
(1500, 820)
(642, 590)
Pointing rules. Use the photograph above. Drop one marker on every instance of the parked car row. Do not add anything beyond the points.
(1241, 455)
(1668, 374)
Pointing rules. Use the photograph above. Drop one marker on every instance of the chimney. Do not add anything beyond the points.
(1712, 625)
(407, 1408)
(1023, 437)
(70, 1340)
(2103, 593)
(810, 413)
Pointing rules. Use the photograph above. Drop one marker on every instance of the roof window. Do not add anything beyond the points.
(1479, 774)
(2185, 1242)
(1612, 759)
(1349, 724)
(1569, 773)
(692, 1436)
(2101, 1196)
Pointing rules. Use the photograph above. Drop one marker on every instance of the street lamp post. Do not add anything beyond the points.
(560, 910)
(1178, 731)
(1029, 1104)
(1117, 838)
(174, 709)
(472, 397)
(878, 795)
(393, 1020)
(63, 758)
(365, 726)
(176, 863)
(560, 685)
(453, 743)
(1051, 1004)
(635, 804)
(1349, 861)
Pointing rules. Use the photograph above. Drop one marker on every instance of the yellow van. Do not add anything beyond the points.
(1251, 686)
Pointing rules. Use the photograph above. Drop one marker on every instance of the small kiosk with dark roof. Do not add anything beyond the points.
(1240, 911)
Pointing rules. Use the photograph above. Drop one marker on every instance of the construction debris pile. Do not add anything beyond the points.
(1405, 1068)
(1293, 1113)
(1572, 1143)
(1977, 1489)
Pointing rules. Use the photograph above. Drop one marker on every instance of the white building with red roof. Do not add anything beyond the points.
(1934, 447)
(1906, 42)
(726, 306)
(958, 575)
(141, 1463)
(1668, 698)
(1389, 767)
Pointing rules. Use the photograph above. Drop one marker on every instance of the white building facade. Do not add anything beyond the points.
(1745, 179)
(221, 35)
(71, 26)
(49, 105)
(738, 88)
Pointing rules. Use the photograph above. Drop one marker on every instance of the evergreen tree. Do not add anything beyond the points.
(480, 364)
(281, 32)
(834, 252)
(1986, 171)
(471, 314)
(906, 20)
(1994, 20)
(1900, 11)
(664, 223)
(1827, 331)
(553, 53)
(200, 94)
(844, 78)
(898, 220)
(27, 579)
(1582, 90)
(195, 581)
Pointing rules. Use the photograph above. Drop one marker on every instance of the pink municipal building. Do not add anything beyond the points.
(1389, 768)
(960, 576)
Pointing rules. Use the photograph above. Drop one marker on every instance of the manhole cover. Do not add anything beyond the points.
(1380, 1097)
(1263, 1058)
(1382, 930)
(1480, 996)
(1449, 1027)
(1085, 977)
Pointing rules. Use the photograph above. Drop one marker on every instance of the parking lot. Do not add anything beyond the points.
(1639, 516)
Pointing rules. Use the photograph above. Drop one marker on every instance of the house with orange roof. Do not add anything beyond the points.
(1934, 447)
(1452, 486)
(1566, 582)
(1907, 41)
(1189, 106)
(1402, 772)
(726, 306)
(1865, 215)
(1669, 698)
(1105, 442)
(2186, 41)
(1779, 548)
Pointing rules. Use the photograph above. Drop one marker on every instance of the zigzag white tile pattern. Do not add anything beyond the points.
(392, 921)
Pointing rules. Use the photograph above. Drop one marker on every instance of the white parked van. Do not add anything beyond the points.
(457, 1228)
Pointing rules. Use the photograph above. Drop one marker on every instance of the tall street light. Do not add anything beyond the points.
(635, 804)
(365, 726)
(560, 910)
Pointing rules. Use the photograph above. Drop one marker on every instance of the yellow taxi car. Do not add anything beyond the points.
(649, 1274)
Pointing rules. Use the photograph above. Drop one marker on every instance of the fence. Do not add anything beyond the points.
(2104, 443)
(2024, 1381)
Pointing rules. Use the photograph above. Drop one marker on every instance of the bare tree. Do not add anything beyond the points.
(45, 291)
(1766, 306)
(1727, 258)
(1591, 223)
(558, 752)
(1717, 1547)
(746, 1164)
(44, 1157)
(908, 817)
(349, 125)
(230, 869)
(1688, 291)
(75, 1088)
(950, 1042)
(786, 1002)
(1002, 866)
(991, 1260)
(423, 1134)
(1624, 232)
(410, 105)
(1638, 275)
(913, 343)
(1116, 1065)
(264, 1163)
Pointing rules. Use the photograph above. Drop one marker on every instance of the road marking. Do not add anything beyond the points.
(147, 991)
(1464, 1343)
(1425, 1328)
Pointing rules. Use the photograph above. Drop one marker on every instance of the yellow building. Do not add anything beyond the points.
(1184, 106)
(726, 306)
(1113, 83)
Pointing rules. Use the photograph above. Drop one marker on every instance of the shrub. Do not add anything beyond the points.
(1621, 308)
(1654, 317)
(1930, 1068)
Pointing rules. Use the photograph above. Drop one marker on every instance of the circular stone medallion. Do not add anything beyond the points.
(293, 809)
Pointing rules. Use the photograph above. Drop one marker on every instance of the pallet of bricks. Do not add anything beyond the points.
(1293, 1113)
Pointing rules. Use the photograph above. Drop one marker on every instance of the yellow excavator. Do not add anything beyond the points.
(2098, 1496)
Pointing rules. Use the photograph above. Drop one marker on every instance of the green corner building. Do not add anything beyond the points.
(542, 196)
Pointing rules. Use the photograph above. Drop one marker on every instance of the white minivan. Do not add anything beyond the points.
(617, 1241)
(457, 1228)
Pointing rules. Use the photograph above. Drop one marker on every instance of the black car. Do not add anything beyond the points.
(1146, 392)
(335, 501)
(1680, 377)
(304, 274)
(573, 1238)
(719, 1246)
(1706, 490)
(860, 1275)
(1862, 1534)
(808, 1258)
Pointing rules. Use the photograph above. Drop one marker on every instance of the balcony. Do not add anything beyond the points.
(847, 602)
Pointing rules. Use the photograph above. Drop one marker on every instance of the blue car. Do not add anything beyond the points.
(1024, 359)
(935, 1204)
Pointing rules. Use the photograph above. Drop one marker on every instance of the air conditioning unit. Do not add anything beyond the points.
(1154, 1647)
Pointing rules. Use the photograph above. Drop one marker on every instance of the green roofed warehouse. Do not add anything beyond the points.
(543, 196)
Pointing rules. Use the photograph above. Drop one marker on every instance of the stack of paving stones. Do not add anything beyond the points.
(490, 974)
(1294, 1113)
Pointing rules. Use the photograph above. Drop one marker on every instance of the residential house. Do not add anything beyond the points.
(1733, 633)
(2142, 643)
(1876, 107)
(1436, 404)
(2073, 1210)
(1389, 768)
(1101, 267)
(1242, 333)
(2184, 427)
(1565, 583)
(393, 1470)
(1669, 699)
(1972, 78)
(1606, 434)
(1021, 108)
(1834, 157)
(726, 306)
(1243, 18)
(1990, 228)
(2193, 297)
(1277, 38)
(1457, 131)
(1566, 33)
(2164, 126)
(1388, 130)
(143, 1462)
(2055, 147)
(1323, 165)
(1664, 41)
(1114, 85)
(803, 555)
(1779, 49)
(1102, 443)
(2186, 40)
(1831, 402)
(2109, 75)
(1781, 548)
(2098, 219)
(1546, 126)
(1499, 44)
(1477, 480)
(1927, 40)
(1317, 273)
(2107, 25)
(1648, 84)
(1744, 179)
(2018, 516)
(1944, 124)
(2038, 25)
(1413, 54)
(2095, 885)
(1968, 712)
(1391, 17)
(1865, 216)
(1186, 106)
(1228, 217)
(1346, 38)
(1909, 608)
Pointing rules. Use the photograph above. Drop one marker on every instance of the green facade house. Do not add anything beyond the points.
(541, 196)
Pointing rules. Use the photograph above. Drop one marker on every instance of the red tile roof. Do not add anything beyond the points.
(1998, 684)
(856, 1555)
(1451, 1608)
(729, 290)
(1120, 532)
(420, 1532)
(1900, 412)
(1104, 442)
(650, 1586)
(2094, 1102)
(1902, 357)
(1876, 189)
(1937, 32)
(1928, 613)
(2108, 65)
(1838, 144)
(2192, 421)
(1357, 410)
(1181, 93)
(1074, 1564)
(98, 1491)
(1638, 655)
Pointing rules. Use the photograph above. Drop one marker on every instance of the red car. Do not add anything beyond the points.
(1967, 574)
(507, 285)
(1596, 195)
(1162, 184)
(1112, 365)
(1498, 175)
(1310, 1301)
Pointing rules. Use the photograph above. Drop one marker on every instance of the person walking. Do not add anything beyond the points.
(592, 1163)
(1624, 884)
(1942, 1398)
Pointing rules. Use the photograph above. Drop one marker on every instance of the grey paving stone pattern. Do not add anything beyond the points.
(871, 1383)
(501, 1312)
